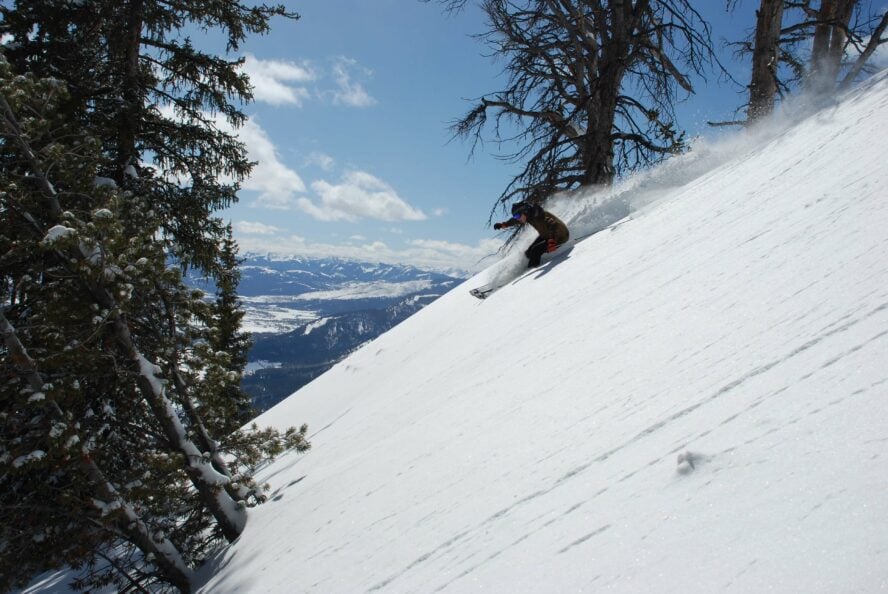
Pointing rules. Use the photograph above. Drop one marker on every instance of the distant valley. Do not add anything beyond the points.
(305, 315)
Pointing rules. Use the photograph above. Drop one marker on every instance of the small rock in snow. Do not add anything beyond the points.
(688, 462)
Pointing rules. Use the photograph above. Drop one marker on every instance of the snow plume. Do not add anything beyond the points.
(591, 210)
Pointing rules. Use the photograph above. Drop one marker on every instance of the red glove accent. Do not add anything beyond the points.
(551, 246)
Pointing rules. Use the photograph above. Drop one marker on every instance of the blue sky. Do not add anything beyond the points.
(350, 128)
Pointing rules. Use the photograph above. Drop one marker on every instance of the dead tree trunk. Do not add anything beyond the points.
(873, 44)
(763, 85)
(828, 45)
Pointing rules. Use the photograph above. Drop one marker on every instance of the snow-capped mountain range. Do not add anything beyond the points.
(307, 314)
(282, 294)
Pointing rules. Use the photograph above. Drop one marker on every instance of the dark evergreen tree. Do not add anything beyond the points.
(232, 407)
(71, 473)
(116, 383)
(142, 88)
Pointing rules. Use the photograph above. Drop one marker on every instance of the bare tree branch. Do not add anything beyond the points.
(570, 66)
(874, 42)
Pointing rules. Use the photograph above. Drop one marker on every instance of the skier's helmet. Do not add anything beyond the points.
(521, 208)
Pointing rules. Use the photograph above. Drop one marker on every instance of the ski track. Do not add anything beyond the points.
(501, 515)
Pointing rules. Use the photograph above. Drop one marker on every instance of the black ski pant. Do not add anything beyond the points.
(536, 251)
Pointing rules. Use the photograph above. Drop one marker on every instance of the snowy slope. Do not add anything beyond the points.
(538, 441)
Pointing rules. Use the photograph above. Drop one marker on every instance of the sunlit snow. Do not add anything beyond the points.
(315, 325)
(56, 233)
(268, 314)
(367, 290)
(271, 314)
(694, 400)
(254, 366)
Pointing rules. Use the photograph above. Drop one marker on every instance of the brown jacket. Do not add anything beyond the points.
(547, 225)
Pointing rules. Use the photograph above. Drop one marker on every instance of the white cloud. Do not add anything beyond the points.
(254, 228)
(427, 254)
(272, 80)
(322, 160)
(459, 252)
(350, 92)
(359, 195)
(286, 82)
(276, 183)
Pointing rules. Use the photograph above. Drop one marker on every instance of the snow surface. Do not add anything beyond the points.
(269, 314)
(315, 325)
(254, 366)
(262, 315)
(695, 400)
(367, 290)
(57, 233)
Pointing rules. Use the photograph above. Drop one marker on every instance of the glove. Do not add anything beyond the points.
(551, 246)
(497, 226)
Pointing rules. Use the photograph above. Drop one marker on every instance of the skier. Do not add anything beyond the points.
(553, 232)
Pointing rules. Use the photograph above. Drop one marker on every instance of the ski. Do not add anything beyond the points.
(481, 292)
(485, 291)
